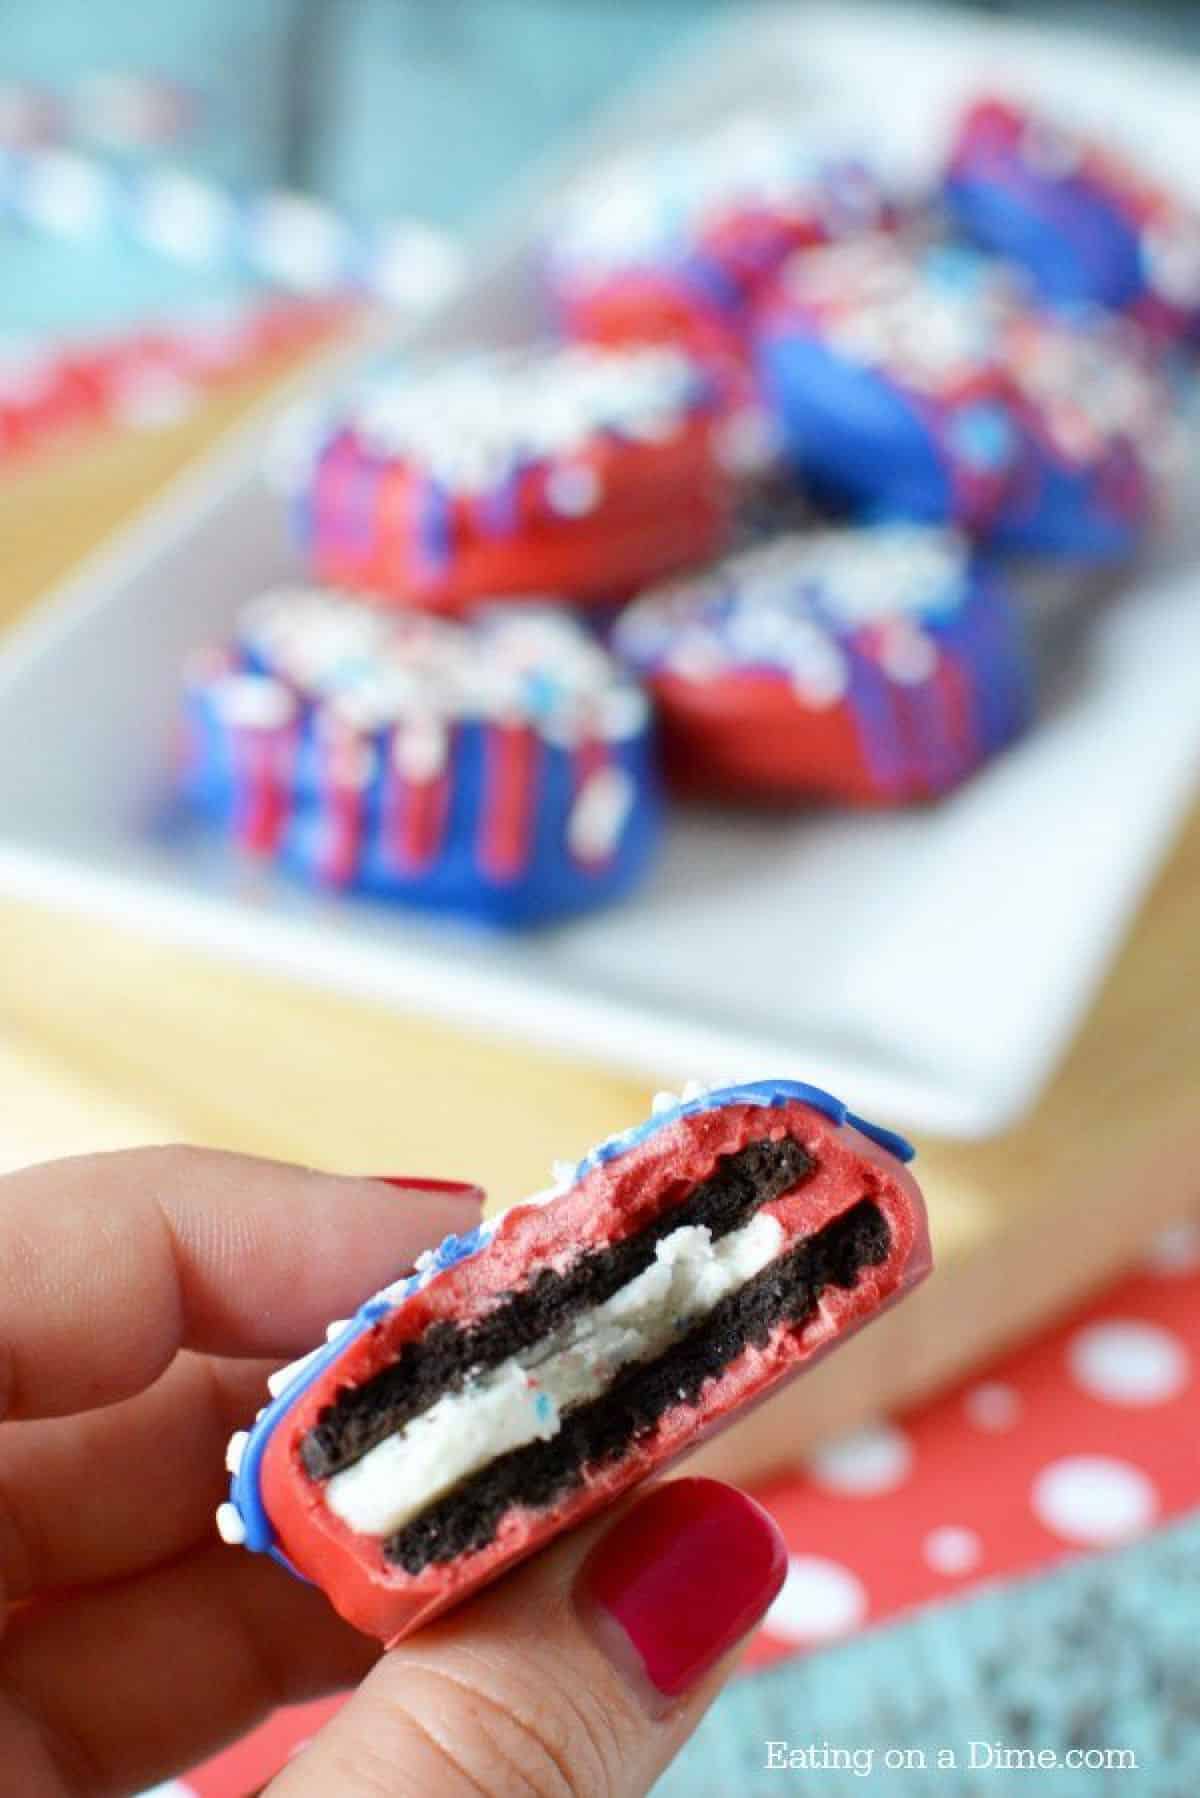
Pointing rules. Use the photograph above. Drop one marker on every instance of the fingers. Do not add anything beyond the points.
(111, 1263)
(130, 1682)
(583, 1672)
(115, 1491)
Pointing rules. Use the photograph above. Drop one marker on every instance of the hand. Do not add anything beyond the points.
(143, 1300)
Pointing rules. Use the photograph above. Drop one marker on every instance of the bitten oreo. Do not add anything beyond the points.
(501, 769)
(532, 1372)
(576, 471)
(877, 666)
(880, 362)
(1088, 226)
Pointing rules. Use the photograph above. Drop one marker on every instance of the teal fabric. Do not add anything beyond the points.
(1100, 1654)
(382, 106)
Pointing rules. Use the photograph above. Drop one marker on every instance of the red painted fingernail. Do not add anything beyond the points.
(419, 1183)
(681, 1579)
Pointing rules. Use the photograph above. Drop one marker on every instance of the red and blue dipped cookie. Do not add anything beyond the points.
(1098, 423)
(1086, 225)
(880, 361)
(575, 471)
(501, 770)
(874, 666)
(670, 243)
(526, 1375)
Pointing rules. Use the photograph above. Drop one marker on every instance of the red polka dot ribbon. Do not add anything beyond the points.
(1080, 1441)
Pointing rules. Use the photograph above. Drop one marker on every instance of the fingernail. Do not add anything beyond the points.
(418, 1183)
(680, 1580)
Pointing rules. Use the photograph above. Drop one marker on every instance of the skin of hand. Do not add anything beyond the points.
(144, 1298)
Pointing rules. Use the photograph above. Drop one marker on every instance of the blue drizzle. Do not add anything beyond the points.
(755, 1092)
(435, 525)
(245, 1489)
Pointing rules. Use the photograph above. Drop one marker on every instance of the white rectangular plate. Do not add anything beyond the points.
(930, 966)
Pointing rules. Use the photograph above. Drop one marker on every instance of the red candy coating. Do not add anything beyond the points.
(659, 507)
(747, 735)
(613, 1200)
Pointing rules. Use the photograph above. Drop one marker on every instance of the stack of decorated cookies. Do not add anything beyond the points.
(748, 529)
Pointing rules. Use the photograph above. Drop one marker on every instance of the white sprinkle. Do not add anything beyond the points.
(420, 750)
(475, 421)
(909, 657)
(255, 702)
(600, 814)
(1171, 251)
(573, 490)
(280, 1381)
(694, 1089)
(236, 1449)
(664, 1101)
(789, 605)
(626, 712)
(747, 442)
(563, 1173)
(336, 1328)
(230, 1526)
(646, 207)
(419, 675)
(391, 1295)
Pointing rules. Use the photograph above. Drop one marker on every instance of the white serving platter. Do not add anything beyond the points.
(931, 967)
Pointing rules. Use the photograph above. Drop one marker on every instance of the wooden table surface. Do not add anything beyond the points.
(107, 1039)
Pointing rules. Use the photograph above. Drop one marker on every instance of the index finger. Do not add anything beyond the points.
(109, 1264)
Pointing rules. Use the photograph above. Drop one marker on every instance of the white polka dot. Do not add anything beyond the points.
(1128, 1363)
(952, 1550)
(600, 814)
(230, 1526)
(871, 1461)
(1175, 1250)
(908, 656)
(993, 1406)
(820, 1599)
(1094, 1499)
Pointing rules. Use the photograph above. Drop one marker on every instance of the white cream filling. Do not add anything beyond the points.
(524, 1399)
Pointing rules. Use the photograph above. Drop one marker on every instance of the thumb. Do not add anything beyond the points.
(583, 1672)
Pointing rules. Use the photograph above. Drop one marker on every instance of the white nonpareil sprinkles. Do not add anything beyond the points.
(524, 662)
(788, 606)
(471, 424)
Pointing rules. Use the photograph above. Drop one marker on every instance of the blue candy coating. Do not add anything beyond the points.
(1073, 241)
(550, 883)
(851, 432)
